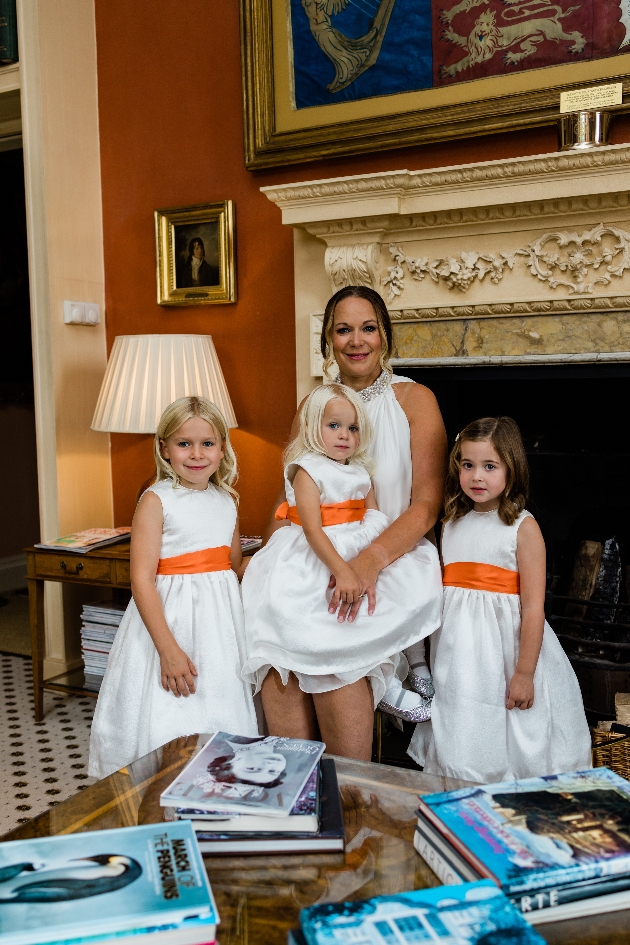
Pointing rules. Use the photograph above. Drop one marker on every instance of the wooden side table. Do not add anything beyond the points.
(108, 567)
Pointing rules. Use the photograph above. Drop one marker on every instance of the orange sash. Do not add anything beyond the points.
(339, 513)
(197, 562)
(481, 577)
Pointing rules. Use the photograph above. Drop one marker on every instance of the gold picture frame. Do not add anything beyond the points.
(276, 133)
(195, 254)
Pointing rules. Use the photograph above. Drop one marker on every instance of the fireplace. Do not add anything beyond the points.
(508, 285)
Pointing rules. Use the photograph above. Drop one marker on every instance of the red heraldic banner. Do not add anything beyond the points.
(473, 39)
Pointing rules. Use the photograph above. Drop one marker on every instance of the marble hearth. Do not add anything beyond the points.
(520, 261)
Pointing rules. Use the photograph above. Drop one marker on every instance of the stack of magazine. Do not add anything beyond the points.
(558, 846)
(457, 915)
(142, 885)
(258, 795)
(99, 623)
(90, 539)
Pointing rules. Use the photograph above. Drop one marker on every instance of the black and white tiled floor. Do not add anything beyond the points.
(40, 764)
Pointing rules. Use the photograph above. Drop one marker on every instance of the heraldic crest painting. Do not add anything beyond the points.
(443, 61)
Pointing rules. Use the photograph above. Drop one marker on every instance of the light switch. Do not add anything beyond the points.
(81, 313)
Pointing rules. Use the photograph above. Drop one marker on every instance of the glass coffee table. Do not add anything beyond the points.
(259, 897)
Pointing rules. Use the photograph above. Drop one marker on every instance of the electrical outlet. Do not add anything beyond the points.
(81, 313)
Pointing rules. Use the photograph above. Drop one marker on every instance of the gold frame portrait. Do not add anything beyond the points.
(276, 133)
(177, 226)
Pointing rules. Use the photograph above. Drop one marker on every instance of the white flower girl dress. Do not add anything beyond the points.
(286, 596)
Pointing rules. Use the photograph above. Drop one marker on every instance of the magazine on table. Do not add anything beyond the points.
(260, 775)
(193, 931)
(329, 838)
(537, 833)
(458, 915)
(128, 878)
(88, 540)
(304, 817)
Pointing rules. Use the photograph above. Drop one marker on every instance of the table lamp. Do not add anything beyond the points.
(146, 373)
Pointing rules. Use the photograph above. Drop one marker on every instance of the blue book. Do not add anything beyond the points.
(105, 881)
(538, 833)
(457, 915)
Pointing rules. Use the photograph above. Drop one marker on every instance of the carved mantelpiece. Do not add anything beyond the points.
(527, 258)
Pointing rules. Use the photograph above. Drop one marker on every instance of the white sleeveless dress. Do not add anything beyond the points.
(286, 597)
(134, 714)
(474, 656)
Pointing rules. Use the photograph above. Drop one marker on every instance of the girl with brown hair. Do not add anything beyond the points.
(507, 703)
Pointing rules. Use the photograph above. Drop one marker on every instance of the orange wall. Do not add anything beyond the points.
(170, 111)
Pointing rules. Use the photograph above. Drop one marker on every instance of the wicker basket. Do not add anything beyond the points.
(611, 750)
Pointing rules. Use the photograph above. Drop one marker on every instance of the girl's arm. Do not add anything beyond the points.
(531, 558)
(307, 500)
(370, 500)
(177, 671)
(239, 563)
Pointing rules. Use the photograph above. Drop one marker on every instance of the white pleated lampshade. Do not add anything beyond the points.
(146, 373)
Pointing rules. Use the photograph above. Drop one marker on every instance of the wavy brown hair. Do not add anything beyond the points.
(505, 436)
(382, 320)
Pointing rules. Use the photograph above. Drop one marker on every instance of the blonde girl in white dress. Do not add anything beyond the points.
(507, 703)
(292, 627)
(175, 665)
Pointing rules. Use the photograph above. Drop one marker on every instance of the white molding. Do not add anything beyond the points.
(10, 79)
(593, 357)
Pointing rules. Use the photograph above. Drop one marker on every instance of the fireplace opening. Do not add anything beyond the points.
(575, 425)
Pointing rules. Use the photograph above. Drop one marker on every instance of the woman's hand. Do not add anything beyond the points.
(177, 672)
(521, 693)
(366, 570)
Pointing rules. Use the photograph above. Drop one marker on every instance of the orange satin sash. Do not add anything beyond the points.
(338, 513)
(197, 562)
(481, 577)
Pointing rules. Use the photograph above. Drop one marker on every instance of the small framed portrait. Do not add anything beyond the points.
(195, 254)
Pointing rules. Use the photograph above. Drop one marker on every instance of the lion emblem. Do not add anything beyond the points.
(525, 30)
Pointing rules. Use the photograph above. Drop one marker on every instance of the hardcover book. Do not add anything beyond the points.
(129, 878)
(538, 833)
(457, 915)
(330, 837)
(245, 775)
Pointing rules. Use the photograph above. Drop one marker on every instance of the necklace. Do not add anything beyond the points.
(380, 385)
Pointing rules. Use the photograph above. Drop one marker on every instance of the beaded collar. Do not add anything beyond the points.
(379, 387)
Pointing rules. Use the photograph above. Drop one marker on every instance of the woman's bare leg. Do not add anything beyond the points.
(289, 711)
(346, 719)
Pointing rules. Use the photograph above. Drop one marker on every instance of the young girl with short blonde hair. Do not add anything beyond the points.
(175, 665)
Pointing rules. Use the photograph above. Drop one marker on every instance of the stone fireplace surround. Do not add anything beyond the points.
(518, 261)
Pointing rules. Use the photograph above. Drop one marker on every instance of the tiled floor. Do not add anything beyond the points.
(40, 764)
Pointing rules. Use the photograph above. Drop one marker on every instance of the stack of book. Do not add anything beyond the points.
(138, 885)
(259, 795)
(90, 539)
(558, 846)
(467, 914)
(99, 623)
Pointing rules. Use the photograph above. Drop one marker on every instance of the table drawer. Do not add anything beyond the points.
(73, 567)
(123, 574)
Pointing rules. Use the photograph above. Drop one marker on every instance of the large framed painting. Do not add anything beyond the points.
(195, 254)
(332, 77)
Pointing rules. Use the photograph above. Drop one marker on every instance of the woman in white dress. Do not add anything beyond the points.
(333, 515)
(409, 448)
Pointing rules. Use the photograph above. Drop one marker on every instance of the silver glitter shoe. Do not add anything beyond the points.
(420, 713)
(421, 685)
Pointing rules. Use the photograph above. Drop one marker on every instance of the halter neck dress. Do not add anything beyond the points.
(286, 596)
(474, 656)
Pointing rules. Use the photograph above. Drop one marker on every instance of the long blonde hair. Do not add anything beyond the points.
(309, 438)
(171, 420)
(505, 436)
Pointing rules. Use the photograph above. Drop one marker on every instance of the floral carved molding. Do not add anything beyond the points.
(575, 262)
(353, 265)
